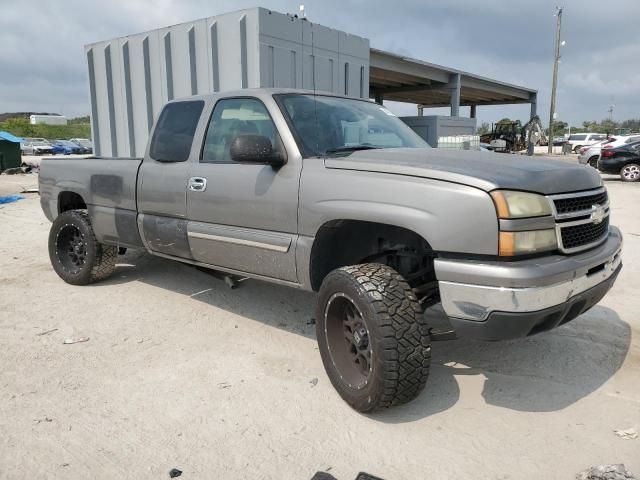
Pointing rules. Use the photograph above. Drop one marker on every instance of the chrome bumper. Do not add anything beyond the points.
(521, 287)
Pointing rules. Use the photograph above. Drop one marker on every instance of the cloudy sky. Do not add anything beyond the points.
(43, 66)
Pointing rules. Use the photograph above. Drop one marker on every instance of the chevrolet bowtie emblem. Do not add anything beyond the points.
(597, 213)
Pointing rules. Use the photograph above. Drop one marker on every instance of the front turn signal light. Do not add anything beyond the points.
(529, 242)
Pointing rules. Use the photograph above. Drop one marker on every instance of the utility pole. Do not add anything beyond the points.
(555, 78)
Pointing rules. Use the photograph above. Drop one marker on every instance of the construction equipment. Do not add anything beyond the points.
(510, 137)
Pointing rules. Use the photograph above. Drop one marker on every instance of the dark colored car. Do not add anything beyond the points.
(623, 160)
(65, 147)
(84, 143)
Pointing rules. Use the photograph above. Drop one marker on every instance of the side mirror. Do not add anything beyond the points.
(255, 149)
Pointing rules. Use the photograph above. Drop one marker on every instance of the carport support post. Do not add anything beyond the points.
(454, 85)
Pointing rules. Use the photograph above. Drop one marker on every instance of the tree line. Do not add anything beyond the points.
(21, 127)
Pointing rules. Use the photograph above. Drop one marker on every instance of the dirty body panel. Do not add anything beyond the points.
(107, 187)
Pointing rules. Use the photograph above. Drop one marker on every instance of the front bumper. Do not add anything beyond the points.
(583, 159)
(501, 300)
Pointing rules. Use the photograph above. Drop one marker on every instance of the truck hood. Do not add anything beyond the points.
(483, 170)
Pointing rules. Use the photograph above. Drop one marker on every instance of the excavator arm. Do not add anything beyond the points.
(533, 132)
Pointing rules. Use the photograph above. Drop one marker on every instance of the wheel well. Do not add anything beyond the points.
(70, 201)
(350, 242)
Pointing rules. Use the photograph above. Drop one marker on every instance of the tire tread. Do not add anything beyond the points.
(104, 260)
(405, 333)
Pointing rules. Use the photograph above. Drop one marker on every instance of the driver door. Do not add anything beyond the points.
(243, 216)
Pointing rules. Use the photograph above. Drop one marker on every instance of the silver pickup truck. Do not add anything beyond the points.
(403, 243)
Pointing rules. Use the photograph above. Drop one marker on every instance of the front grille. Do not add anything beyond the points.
(579, 203)
(584, 234)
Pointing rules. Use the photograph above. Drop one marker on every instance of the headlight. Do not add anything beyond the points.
(513, 204)
(523, 243)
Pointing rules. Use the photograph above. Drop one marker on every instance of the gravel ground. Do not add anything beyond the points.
(181, 372)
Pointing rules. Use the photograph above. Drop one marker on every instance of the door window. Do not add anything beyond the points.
(173, 136)
(231, 118)
(577, 137)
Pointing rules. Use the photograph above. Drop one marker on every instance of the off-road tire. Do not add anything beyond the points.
(397, 331)
(100, 259)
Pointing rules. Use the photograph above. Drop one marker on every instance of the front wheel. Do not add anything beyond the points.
(630, 173)
(373, 340)
(75, 254)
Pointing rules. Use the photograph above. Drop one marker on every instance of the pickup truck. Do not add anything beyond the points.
(402, 242)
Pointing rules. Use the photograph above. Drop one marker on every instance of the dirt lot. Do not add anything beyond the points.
(180, 371)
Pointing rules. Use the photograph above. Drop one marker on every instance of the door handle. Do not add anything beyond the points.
(197, 184)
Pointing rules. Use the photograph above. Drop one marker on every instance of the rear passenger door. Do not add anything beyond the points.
(244, 216)
(162, 179)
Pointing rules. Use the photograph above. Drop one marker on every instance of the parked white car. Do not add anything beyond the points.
(36, 146)
(579, 140)
(589, 155)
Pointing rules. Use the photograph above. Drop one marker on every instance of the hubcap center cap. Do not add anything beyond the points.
(361, 337)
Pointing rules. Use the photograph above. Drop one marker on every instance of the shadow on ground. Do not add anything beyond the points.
(278, 306)
(543, 373)
(611, 179)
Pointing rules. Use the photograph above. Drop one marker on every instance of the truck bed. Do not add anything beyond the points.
(107, 186)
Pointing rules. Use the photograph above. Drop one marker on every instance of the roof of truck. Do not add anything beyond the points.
(249, 92)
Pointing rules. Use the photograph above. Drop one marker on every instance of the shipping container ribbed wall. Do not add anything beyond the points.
(132, 77)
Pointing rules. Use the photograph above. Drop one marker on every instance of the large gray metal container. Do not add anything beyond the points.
(435, 128)
(132, 77)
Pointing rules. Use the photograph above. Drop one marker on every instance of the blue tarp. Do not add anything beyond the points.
(10, 198)
(9, 137)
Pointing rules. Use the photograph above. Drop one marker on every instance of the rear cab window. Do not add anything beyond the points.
(173, 135)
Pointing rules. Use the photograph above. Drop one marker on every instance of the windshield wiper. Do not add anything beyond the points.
(352, 148)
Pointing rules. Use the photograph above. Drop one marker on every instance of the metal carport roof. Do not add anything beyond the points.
(402, 79)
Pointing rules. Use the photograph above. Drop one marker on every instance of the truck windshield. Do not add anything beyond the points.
(333, 126)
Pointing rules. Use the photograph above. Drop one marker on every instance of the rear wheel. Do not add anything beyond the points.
(577, 148)
(373, 340)
(593, 161)
(75, 254)
(630, 172)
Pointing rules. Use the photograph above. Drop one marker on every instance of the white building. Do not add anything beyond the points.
(48, 119)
